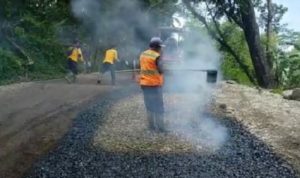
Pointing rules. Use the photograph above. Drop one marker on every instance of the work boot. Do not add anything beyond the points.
(160, 125)
(100, 77)
(151, 121)
(68, 77)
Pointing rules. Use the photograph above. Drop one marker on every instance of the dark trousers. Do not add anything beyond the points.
(153, 99)
(109, 67)
(72, 66)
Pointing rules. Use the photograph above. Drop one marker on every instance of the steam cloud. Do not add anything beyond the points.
(189, 116)
(125, 24)
(189, 89)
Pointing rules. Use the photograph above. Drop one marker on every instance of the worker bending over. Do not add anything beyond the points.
(111, 56)
(74, 56)
(151, 81)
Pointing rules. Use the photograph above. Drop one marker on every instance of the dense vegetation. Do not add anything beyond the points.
(35, 34)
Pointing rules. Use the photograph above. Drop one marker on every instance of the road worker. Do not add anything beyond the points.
(111, 56)
(151, 81)
(74, 56)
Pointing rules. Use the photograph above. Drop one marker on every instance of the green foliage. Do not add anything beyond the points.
(286, 62)
(278, 90)
(277, 13)
(37, 32)
(10, 66)
(231, 70)
(37, 41)
(289, 69)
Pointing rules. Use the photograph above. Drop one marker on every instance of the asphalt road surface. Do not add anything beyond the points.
(242, 155)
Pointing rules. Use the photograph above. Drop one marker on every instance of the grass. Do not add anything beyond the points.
(278, 90)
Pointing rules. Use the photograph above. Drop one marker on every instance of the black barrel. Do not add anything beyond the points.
(211, 76)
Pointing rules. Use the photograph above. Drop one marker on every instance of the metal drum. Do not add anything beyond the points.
(211, 76)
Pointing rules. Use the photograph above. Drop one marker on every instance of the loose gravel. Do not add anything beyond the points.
(90, 148)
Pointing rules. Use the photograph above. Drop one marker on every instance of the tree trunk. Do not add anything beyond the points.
(269, 32)
(221, 40)
(251, 30)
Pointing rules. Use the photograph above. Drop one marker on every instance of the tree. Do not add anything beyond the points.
(216, 33)
(288, 59)
(234, 36)
(269, 32)
(242, 13)
(270, 17)
(39, 31)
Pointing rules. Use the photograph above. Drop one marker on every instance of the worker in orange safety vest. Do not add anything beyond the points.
(151, 81)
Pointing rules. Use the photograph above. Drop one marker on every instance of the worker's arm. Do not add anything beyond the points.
(159, 65)
(80, 56)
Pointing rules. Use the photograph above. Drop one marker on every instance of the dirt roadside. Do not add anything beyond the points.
(268, 116)
(34, 115)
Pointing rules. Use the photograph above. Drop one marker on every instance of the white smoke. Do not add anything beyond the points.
(117, 25)
(86, 9)
(88, 12)
(192, 93)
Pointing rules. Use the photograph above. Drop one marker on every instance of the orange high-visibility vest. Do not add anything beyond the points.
(149, 75)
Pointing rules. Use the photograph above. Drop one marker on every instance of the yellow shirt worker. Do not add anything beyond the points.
(111, 56)
(75, 54)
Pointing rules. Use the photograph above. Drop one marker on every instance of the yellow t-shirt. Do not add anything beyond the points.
(76, 55)
(111, 56)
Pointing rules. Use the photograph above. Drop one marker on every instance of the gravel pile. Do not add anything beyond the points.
(125, 129)
(110, 139)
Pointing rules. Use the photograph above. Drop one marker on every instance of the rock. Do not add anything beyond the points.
(223, 106)
(229, 110)
(166, 149)
(292, 94)
(231, 82)
(295, 94)
(259, 89)
(287, 94)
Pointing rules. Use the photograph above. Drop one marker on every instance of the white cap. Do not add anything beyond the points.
(157, 40)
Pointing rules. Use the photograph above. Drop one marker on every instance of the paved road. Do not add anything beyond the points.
(243, 155)
(34, 115)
